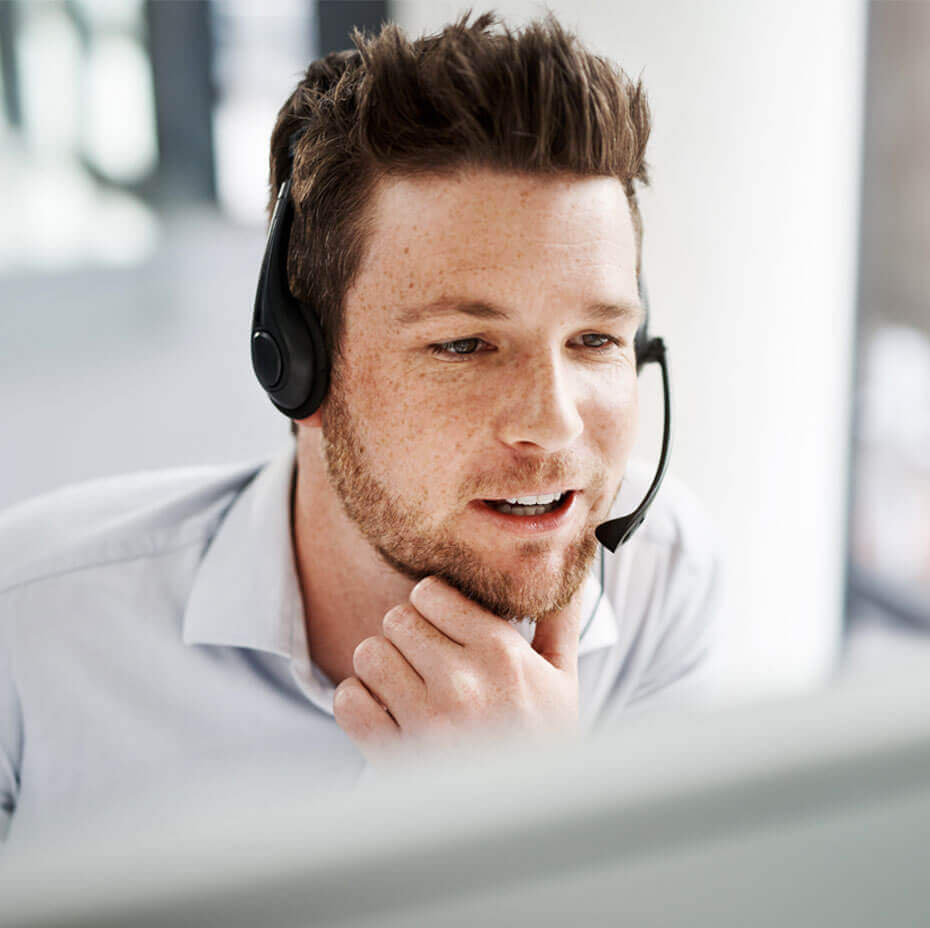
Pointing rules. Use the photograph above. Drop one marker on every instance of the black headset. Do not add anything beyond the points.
(291, 363)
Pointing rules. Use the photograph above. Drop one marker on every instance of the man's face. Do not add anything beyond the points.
(435, 410)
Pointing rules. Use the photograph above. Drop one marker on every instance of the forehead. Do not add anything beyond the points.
(498, 236)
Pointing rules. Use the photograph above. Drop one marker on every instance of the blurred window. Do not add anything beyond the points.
(79, 134)
(116, 112)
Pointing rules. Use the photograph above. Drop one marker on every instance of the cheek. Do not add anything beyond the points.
(612, 418)
(409, 427)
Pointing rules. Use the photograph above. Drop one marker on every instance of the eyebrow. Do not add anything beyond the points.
(478, 309)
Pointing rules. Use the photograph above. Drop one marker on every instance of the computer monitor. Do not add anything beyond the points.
(808, 811)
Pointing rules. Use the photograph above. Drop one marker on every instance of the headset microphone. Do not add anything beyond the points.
(291, 363)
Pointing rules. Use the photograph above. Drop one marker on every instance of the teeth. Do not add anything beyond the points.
(534, 500)
(524, 510)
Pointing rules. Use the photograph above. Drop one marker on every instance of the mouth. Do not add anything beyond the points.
(524, 511)
(528, 520)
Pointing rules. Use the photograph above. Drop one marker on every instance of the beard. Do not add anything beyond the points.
(407, 539)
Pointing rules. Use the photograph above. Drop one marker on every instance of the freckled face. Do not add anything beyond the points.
(433, 411)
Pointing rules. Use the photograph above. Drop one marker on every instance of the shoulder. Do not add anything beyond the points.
(666, 586)
(113, 519)
(677, 523)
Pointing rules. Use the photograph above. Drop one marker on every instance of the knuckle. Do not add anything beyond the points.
(366, 654)
(509, 664)
(427, 585)
(464, 684)
(500, 643)
(397, 619)
(344, 696)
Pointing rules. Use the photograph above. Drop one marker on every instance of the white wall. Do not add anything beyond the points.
(750, 257)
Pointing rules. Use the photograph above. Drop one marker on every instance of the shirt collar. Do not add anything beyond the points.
(599, 627)
(246, 593)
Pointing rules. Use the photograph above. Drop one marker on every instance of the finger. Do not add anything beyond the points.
(424, 647)
(556, 637)
(360, 716)
(390, 678)
(455, 615)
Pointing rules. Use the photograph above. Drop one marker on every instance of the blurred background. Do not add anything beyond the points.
(786, 234)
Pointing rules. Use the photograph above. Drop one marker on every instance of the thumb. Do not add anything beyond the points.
(556, 637)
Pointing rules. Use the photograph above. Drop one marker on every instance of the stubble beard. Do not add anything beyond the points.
(404, 537)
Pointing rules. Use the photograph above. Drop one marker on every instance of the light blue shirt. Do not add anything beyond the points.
(154, 622)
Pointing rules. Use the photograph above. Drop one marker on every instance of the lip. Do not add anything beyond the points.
(529, 525)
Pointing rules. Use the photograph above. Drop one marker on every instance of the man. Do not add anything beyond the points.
(422, 564)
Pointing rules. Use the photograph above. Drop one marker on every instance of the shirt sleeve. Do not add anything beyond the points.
(11, 728)
(680, 670)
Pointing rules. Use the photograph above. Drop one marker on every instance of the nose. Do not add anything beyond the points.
(539, 404)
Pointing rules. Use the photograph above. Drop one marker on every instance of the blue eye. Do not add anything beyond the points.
(462, 346)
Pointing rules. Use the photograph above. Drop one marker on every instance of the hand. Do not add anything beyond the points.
(444, 665)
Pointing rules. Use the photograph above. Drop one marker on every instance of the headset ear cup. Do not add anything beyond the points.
(289, 354)
(306, 363)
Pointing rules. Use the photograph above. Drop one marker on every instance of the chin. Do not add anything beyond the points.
(540, 562)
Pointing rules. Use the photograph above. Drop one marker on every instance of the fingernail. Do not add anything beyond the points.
(423, 585)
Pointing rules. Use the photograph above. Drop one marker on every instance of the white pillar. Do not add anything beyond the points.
(750, 251)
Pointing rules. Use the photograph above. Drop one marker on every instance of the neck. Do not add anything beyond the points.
(346, 587)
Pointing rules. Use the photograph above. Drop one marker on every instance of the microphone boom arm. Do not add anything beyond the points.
(615, 532)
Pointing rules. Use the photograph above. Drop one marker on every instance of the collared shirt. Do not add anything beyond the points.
(154, 622)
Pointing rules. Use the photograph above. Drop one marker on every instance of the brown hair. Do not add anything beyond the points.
(474, 95)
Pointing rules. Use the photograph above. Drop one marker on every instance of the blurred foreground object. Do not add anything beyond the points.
(809, 812)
